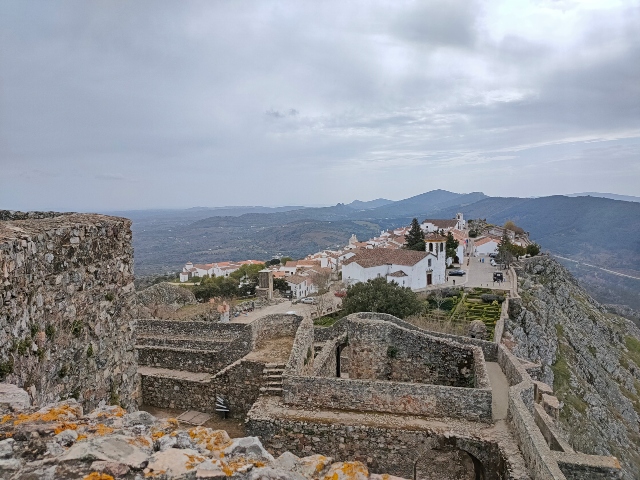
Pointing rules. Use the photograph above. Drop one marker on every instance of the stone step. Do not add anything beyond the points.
(272, 377)
(275, 365)
(274, 383)
(272, 371)
(271, 391)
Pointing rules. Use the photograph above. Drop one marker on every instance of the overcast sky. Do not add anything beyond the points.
(142, 104)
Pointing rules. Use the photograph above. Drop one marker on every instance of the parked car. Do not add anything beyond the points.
(493, 263)
(308, 301)
(493, 255)
(340, 293)
(456, 273)
(498, 277)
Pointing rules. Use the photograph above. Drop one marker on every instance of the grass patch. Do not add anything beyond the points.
(633, 345)
(561, 374)
(325, 321)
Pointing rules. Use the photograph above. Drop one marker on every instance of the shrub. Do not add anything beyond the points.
(392, 352)
(489, 298)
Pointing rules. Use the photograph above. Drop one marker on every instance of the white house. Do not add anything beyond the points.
(408, 268)
(300, 286)
(485, 245)
(434, 225)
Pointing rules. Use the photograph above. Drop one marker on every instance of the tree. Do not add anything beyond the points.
(533, 249)
(452, 244)
(379, 296)
(224, 287)
(415, 237)
(510, 225)
(280, 284)
(284, 260)
(505, 248)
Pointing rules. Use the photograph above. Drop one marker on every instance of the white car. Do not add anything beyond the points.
(308, 300)
(493, 263)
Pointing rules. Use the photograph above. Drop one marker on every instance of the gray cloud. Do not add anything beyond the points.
(406, 96)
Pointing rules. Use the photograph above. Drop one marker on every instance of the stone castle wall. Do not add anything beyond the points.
(394, 449)
(385, 351)
(309, 381)
(65, 324)
(238, 383)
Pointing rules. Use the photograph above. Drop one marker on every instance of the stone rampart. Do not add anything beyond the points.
(322, 334)
(385, 444)
(238, 383)
(269, 327)
(380, 350)
(65, 324)
(383, 359)
(392, 397)
(197, 329)
(185, 359)
(534, 433)
(301, 358)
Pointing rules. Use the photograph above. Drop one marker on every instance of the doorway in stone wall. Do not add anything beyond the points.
(429, 279)
(338, 352)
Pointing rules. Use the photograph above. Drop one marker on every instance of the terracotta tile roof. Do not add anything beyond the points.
(483, 240)
(383, 256)
(296, 279)
(434, 237)
(399, 273)
(291, 263)
(441, 223)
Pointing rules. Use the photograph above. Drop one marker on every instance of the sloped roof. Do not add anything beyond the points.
(441, 223)
(399, 273)
(383, 256)
(483, 240)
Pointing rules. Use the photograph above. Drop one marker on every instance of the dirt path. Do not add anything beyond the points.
(500, 391)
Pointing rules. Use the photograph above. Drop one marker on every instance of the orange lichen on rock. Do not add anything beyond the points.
(157, 435)
(213, 440)
(65, 426)
(81, 437)
(347, 471)
(5, 419)
(98, 476)
(102, 429)
(139, 442)
(154, 474)
(55, 414)
(194, 461)
(116, 411)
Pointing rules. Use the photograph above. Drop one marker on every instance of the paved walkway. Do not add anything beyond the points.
(499, 390)
(302, 309)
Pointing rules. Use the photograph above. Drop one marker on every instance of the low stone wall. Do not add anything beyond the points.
(578, 466)
(322, 334)
(392, 397)
(393, 450)
(170, 392)
(197, 329)
(325, 363)
(273, 326)
(301, 358)
(239, 384)
(66, 329)
(380, 350)
(185, 359)
(544, 463)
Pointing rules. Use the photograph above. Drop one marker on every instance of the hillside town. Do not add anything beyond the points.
(386, 256)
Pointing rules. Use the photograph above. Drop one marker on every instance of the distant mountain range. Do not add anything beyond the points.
(596, 230)
(611, 196)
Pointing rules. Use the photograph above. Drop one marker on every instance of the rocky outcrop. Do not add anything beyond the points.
(590, 356)
(161, 300)
(60, 441)
(165, 294)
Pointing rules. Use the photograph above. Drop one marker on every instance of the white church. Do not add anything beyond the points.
(408, 268)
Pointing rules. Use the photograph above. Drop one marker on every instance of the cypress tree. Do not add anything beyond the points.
(415, 237)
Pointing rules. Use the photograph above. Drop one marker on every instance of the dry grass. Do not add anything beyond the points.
(437, 322)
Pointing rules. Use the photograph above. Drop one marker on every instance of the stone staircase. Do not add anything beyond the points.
(272, 376)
